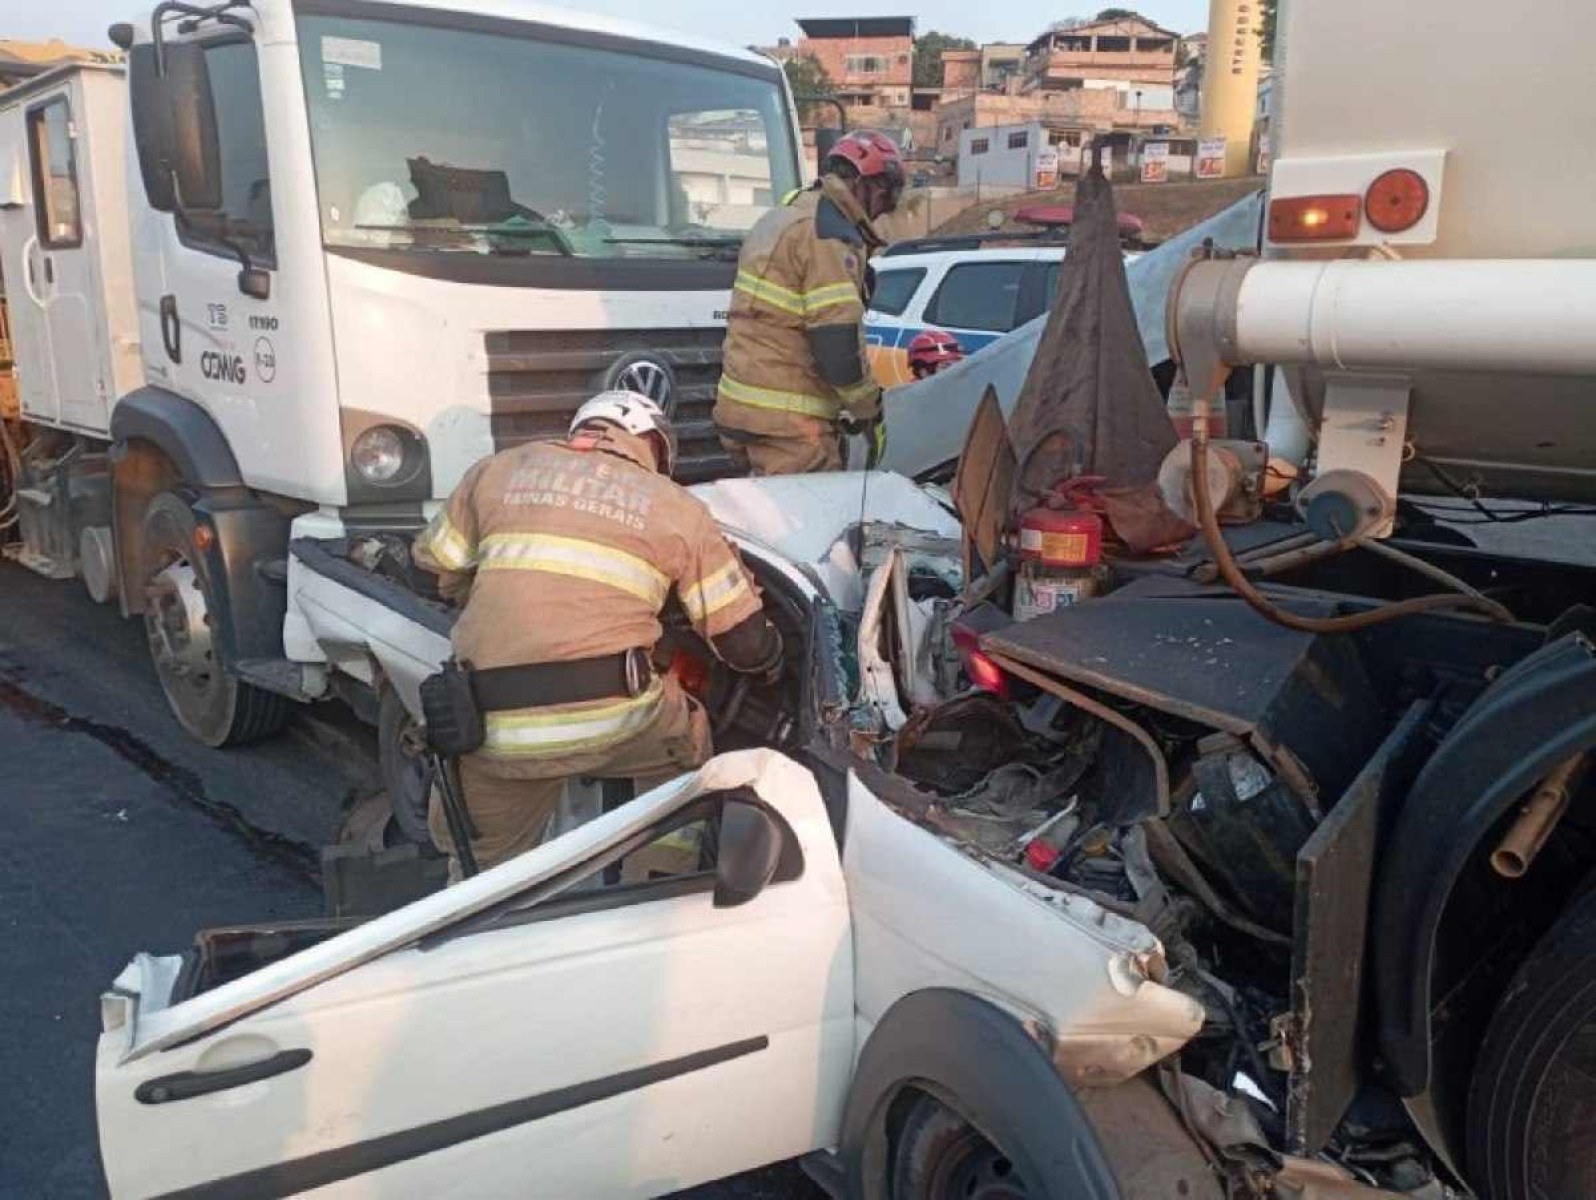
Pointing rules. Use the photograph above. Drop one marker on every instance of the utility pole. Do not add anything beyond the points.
(1229, 94)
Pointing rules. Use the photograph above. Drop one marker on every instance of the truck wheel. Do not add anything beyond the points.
(938, 1155)
(400, 755)
(1532, 1103)
(208, 702)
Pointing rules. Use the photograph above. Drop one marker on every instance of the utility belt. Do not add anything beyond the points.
(454, 701)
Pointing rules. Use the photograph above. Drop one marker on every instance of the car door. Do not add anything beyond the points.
(22, 275)
(977, 301)
(1038, 290)
(57, 273)
(616, 1039)
(260, 365)
(886, 322)
(60, 165)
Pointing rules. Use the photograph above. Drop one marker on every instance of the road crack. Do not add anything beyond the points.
(178, 782)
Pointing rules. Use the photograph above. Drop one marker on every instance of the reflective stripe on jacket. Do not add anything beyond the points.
(795, 330)
(566, 554)
(568, 729)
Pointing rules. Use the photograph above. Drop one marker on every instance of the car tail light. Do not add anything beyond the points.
(983, 672)
(1313, 218)
(986, 674)
(1041, 854)
(1396, 200)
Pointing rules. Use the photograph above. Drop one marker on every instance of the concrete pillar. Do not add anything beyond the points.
(1230, 78)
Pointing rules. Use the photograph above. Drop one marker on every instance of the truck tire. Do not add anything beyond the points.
(399, 749)
(212, 705)
(1532, 1102)
(938, 1155)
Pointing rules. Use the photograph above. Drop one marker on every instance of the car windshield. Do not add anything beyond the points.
(442, 141)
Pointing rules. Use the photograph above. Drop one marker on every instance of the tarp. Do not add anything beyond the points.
(1089, 405)
(927, 421)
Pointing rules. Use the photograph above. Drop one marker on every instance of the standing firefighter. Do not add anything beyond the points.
(566, 553)
(795, 365)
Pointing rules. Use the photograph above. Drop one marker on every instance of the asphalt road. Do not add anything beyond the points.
(120, 834)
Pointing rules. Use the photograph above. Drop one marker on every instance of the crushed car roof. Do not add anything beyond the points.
(804, 518)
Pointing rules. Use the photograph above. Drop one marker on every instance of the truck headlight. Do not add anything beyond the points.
(378, 454)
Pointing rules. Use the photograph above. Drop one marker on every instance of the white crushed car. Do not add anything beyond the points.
(825, 971)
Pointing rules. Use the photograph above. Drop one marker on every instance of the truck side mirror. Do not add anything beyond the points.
(748, 853)
(195, 150)
(826, 140)
(152, 126)
(255, 282)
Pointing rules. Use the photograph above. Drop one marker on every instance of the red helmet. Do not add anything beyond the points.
(931, 349)
(870, 153)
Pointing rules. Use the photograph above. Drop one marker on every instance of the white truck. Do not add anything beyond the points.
(340, 253)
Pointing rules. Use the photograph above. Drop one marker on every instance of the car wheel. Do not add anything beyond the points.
(938, 1155)
(401, 755)
(1532, 1102)
(208, 701)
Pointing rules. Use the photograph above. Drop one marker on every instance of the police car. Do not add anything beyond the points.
(978, 295)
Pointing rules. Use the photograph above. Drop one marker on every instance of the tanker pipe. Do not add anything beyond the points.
(1533, 315)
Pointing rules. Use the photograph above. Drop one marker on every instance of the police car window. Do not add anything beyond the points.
(1050, 288)
(894, 290)
(978, 296)
(1037, 292)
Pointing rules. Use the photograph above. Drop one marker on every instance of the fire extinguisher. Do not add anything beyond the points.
(1060, 551)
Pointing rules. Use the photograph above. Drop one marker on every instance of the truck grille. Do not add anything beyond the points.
(538, 378)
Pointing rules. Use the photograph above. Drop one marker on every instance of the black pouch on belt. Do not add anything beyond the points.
(454, 722)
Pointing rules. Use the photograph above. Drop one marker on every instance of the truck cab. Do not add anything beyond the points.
(352, 249)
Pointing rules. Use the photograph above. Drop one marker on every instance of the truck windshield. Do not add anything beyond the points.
(442, 141)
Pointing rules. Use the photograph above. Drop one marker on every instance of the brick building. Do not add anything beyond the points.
(869, 59)
(1131, 60)
(992, 68)
(961, 72)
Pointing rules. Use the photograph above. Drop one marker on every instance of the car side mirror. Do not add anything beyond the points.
(152, 126)
(195, 148)
(748, 853)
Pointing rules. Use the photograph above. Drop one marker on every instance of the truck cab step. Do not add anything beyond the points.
(282, 676)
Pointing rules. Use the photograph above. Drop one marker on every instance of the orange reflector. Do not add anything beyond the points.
(1396, 200)
(1313, 218)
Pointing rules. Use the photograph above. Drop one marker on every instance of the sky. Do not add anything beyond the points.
(83, 22)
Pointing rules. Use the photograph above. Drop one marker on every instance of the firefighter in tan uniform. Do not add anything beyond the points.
(795, 365)
(566, 553)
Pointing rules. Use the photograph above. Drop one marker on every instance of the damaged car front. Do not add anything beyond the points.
(635, 1019)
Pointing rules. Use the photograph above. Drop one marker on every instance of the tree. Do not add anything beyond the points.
(928, 50)
(1119, 14)
(807, 77)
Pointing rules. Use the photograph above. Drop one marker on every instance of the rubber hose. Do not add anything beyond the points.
(1232, 574)
(1498, 610)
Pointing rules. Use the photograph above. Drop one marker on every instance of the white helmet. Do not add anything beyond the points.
(636, 414)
